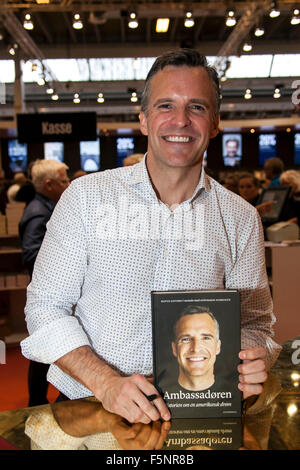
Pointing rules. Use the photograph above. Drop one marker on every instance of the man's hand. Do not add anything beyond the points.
(252, 371)
(139, 436)
(127, 397)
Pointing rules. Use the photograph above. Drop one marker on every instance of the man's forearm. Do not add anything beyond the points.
(84, 365)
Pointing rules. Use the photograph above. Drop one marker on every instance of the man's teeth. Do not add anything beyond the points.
(195, 359)
(177, 138)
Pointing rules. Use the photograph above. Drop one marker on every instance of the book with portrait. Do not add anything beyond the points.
(196, 343)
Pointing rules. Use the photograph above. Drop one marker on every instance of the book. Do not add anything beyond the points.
(196, 342)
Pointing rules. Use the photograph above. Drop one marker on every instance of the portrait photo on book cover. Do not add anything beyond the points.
(197, 346)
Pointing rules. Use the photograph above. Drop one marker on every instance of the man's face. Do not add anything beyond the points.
(231, 148)
(247, 189)
(196, 345)
(179, 121)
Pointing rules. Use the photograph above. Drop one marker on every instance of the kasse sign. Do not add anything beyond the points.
(53, 127)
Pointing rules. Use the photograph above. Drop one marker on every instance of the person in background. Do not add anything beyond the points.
(273, 168)
(50, 179)
(291, 179)
(249, 189)
(231, 182)
(78, 174)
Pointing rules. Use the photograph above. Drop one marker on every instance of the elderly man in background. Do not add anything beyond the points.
(50, 179)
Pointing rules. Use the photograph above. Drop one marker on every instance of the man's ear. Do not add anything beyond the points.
(143, 123)
(218, 347)
(174, 349)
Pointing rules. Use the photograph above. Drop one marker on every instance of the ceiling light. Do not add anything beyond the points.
(100, 98)
(41, 81)
(247, 47)
(189, 22)
(274, 13)
(28, 24)
(259, 31)
(34, 67)
(230, 19)
(133, 22)
(248, 94)
(12, 49)
(40, 2)
(276, 93)
(296, 17)
(49, 90)
(288, 129)
(77, 22)
(162, 25)
(54, 97)
(134, 97)
(76, 98)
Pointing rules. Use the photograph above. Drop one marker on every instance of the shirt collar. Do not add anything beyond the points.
(140, 175)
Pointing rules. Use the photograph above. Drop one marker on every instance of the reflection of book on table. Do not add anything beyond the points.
(196, 342)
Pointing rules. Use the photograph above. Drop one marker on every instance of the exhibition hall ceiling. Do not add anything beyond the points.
(103, 33)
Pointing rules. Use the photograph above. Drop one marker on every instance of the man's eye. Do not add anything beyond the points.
(164, 106)
(198, 107)
(185, 340)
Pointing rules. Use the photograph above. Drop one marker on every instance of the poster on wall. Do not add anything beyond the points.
(54, 151)
(90, 155)
(17, 155)
(232, 149)
(125, 147)
(267, 147)
(297, 148)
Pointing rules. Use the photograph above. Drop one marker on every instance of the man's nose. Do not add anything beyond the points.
(181, 117)
(196, 345)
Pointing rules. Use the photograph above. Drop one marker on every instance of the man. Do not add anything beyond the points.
(196, 346)
(273, 168)
(49, 179)
(95, 256)
(232, 156)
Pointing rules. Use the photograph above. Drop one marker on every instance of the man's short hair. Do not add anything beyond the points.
(194, 310)
(245, 174)
(233, 140)
(181, 58)
(44, 169)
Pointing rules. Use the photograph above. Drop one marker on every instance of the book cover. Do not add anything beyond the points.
(196, 342)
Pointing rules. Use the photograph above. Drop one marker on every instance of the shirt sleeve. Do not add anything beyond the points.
(56, 284)
(249, 276)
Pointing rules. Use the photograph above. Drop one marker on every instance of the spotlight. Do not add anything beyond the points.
(41, 81)
(77, 22)
(34, 67)
(274, 13)
(100, 98)
(133, 22)
(189, 22)
(76, 98)
(28, 24)
(230, 19)
(247, 47)
(248, 94)
(49, 90)
(162, 25)
(259, 31)
(277, 93)
(134, 97)
(12, 49)
(54, 97)
(296, 17)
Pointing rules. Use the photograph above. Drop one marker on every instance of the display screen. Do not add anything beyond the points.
(267, 147)
(54, 151)
(17, 155)
(232, 149)
(90, 155)
(297, 149)
(125, 147)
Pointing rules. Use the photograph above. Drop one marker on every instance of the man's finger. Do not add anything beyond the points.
(253, 353)
(249, 390)
(252, 367)
(257, 378)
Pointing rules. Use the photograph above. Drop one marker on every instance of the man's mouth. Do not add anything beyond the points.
(178, 138)
(197, 359)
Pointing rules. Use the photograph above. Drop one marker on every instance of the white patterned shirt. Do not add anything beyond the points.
(111, 241)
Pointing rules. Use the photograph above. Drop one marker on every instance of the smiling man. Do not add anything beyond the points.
(105, 347)
(196, 346)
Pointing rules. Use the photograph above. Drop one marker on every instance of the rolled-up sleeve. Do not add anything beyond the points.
(56, 285)
(250, 278)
